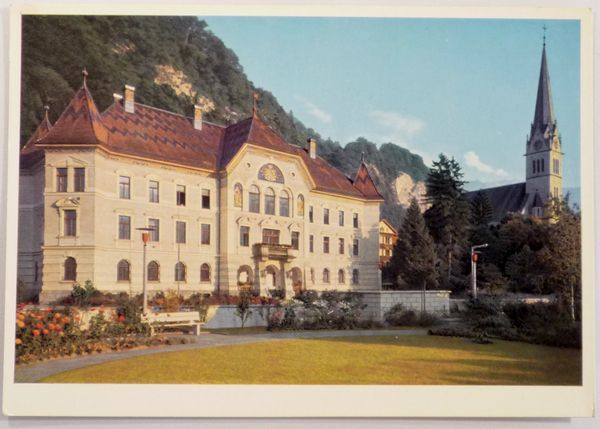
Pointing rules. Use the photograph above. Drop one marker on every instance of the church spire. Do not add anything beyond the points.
(544, 110)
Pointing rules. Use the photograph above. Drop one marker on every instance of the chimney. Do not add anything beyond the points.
(129, 99)
(117, 97)
(197, 117)
(312, 148)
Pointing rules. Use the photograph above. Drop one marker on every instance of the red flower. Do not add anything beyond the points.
(39, 325)
(45, 331)
(36, 333)
(51, 326)
(58, 328)
(18, 341)
(121, 318)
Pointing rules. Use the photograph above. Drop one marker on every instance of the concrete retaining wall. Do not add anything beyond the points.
(380, 302)
(223, 316)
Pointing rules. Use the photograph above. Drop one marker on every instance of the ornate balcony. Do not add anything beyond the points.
(278, 252)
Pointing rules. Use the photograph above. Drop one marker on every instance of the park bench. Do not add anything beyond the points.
(166, 320)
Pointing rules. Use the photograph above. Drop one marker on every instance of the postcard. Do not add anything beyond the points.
(299, 211)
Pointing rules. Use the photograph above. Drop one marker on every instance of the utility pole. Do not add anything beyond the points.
(145, 239)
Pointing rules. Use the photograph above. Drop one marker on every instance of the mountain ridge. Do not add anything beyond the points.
(172, 62)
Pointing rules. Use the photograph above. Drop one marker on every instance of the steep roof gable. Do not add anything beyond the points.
(30, 153)
(79, 124)
(364, 183)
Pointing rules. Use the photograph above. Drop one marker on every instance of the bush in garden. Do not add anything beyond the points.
(399, 316)
(172, 301)
(243, 310)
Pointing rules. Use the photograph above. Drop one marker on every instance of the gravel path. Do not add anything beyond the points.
(34, 372)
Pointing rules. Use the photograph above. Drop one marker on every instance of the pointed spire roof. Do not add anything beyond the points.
(41, 131)
(544, 109)
(80, 123)
(364, 183)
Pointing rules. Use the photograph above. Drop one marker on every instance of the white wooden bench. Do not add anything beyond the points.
(167, 320)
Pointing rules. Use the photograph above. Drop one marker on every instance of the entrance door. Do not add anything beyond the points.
(270, 236)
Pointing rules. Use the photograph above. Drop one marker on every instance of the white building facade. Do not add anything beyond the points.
(230, 207)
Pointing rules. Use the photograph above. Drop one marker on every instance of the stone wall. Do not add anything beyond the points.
(223, 316)
(378, 303)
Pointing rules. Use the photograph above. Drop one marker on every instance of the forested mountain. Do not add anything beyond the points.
(171, 61)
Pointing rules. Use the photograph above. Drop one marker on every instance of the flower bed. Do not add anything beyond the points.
(51, 332)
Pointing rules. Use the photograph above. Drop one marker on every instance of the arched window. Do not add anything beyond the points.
(179, 272)
(70, 269)
(300, 205)
(123, 271)
(355, 276)
(205, 273)
(284, 204)
(325, 275)
(153, 271)
(238, 195)
(341, 277)
(269, 201)
(254, 200)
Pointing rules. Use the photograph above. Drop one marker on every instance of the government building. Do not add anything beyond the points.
(229, 207)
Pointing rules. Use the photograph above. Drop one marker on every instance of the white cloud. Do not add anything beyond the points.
(402, 124)
(316, 112)
(472, 160)
(399, 128)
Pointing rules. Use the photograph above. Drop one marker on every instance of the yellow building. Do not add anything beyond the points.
(230, 206)
(387, 239)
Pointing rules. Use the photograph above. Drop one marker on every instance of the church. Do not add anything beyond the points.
(228, 207)
(543, 160)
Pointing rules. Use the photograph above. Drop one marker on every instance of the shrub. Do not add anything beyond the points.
(172, 301)
(399, 316)
(243, 307)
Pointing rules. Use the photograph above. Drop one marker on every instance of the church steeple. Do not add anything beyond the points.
(543, 154)
(544, 109)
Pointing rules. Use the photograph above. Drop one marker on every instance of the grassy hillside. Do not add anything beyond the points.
(171, 61)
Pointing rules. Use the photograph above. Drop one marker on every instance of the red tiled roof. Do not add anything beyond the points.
(30, 153)
(79, 124)
(156, 134)
(364, 183)
(153, 133)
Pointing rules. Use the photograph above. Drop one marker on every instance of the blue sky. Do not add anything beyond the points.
(464, 87)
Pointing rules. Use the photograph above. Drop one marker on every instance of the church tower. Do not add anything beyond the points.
(543, 155)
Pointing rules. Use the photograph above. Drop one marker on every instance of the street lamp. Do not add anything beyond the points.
(474, 254)
(145, 239)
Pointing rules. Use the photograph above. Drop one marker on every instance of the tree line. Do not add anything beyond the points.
(525, 254)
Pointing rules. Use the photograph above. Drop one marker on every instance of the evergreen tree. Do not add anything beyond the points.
(448, 216)
(414, 258)
(482, 211)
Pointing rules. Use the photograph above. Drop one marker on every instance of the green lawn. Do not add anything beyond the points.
(350, 360)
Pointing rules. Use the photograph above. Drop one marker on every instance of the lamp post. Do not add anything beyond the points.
(145, 239)
(474, 254)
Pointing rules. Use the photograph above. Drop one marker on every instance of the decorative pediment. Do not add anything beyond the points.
(68, 202)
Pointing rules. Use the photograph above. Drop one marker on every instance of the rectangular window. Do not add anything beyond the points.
(295, 240)
(205, 233)
(355, 220)
(61, 180)
(180, 195)
(325, 244)
(355, 247)
(70, 223)
(205, 198)
(155, 233)
(341, 246)
(271, 236)
(311, 243)
(533, 166)
(124, 227)
(124, 187)
(180, 232)
(326, 216)
(341, 217)
(254, 202)
(311, 214)
(79, 180)
(244, 236)
(269, 203)
(153, 191)
(543, 169)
